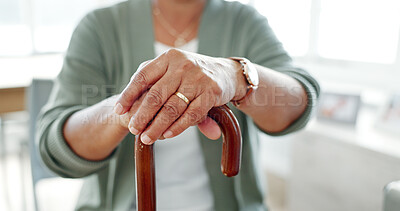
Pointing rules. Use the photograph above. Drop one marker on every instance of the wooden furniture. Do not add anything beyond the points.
(342, 168)
(12, 99)
(230, 162)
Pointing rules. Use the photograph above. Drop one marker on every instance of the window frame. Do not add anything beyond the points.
(28, 20)
(346, 71)
(312, 54)
(315, 63)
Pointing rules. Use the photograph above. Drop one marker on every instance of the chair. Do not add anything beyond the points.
(42, 178)
(392, 197)
(38, 95)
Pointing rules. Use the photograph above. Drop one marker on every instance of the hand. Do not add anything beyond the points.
(206, 82)
(208, 127)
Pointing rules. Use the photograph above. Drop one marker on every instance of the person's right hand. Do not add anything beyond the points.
(208, 126)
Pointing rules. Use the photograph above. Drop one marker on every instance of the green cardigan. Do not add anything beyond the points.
(105, 50)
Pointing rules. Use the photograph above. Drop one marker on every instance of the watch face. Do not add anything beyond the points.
(252, 74)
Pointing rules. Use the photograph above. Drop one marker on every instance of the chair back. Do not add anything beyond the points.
(38, 94)
(392, 197)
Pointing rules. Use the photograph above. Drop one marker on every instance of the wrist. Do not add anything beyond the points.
(249, 75)
(241, 86)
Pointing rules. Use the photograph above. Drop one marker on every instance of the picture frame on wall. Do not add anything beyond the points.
(389, 118)
(339, 108)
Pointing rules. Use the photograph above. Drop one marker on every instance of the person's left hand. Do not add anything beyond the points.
(205, 81)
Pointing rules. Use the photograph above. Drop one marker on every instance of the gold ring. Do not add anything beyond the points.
(183, 97)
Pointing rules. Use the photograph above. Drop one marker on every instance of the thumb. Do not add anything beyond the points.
(210, 128)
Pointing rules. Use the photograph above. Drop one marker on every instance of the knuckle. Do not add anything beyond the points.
(208, 100)
(172, 52)
(140, 78)
(202, 77)
(188, 65)
(206, 83)
(179, 128)
(158, 63)
(195, 114)
(191, 90)
(154, 98)
(199, 120)
(141, 121)
(216, 89)
(143, 64)
(171, 110)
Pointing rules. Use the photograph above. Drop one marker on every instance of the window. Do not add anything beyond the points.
(290, 20)
(15, 37)
(54, 23)
(242, 1)
(352, 30)
(40, 26)
(359, 30)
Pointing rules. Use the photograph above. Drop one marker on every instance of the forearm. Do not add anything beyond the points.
(93, 133)
(277, 102)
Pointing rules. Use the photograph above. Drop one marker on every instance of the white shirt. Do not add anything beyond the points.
(182, 182)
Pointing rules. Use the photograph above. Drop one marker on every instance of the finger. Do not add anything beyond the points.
(154, 100)
(171, 111)
(141, 66)
(210, 129)
(143, 78)
(194, 114)
(125, 118)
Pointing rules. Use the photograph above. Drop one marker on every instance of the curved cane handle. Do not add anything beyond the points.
(230, 161)
(232, 139)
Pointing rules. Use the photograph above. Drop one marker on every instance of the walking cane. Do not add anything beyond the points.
(230, 161)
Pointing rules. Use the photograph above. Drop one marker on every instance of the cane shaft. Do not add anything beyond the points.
(145, 176)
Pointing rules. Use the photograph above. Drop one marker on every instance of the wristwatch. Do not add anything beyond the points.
(250, 74)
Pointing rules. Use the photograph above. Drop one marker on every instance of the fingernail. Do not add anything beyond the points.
(118, 109)
(168, 134)
(133, 130)
(145, 139)
(130, 126)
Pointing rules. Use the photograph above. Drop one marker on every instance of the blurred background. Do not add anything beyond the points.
(344, 159)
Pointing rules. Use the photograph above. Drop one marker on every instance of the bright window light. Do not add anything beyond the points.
(242, 1)
(52, 38)
(15, 36)
(53, 27)
(41, 26)
(15, 40)
(359, 30)
(290, 20)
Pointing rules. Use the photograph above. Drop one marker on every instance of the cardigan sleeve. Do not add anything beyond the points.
(78, 86)
(263, 48)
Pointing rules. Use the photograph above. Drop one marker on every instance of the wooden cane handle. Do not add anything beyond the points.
(230, 161)
(232, 139)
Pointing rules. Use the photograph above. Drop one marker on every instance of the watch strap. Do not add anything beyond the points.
(250, 87)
